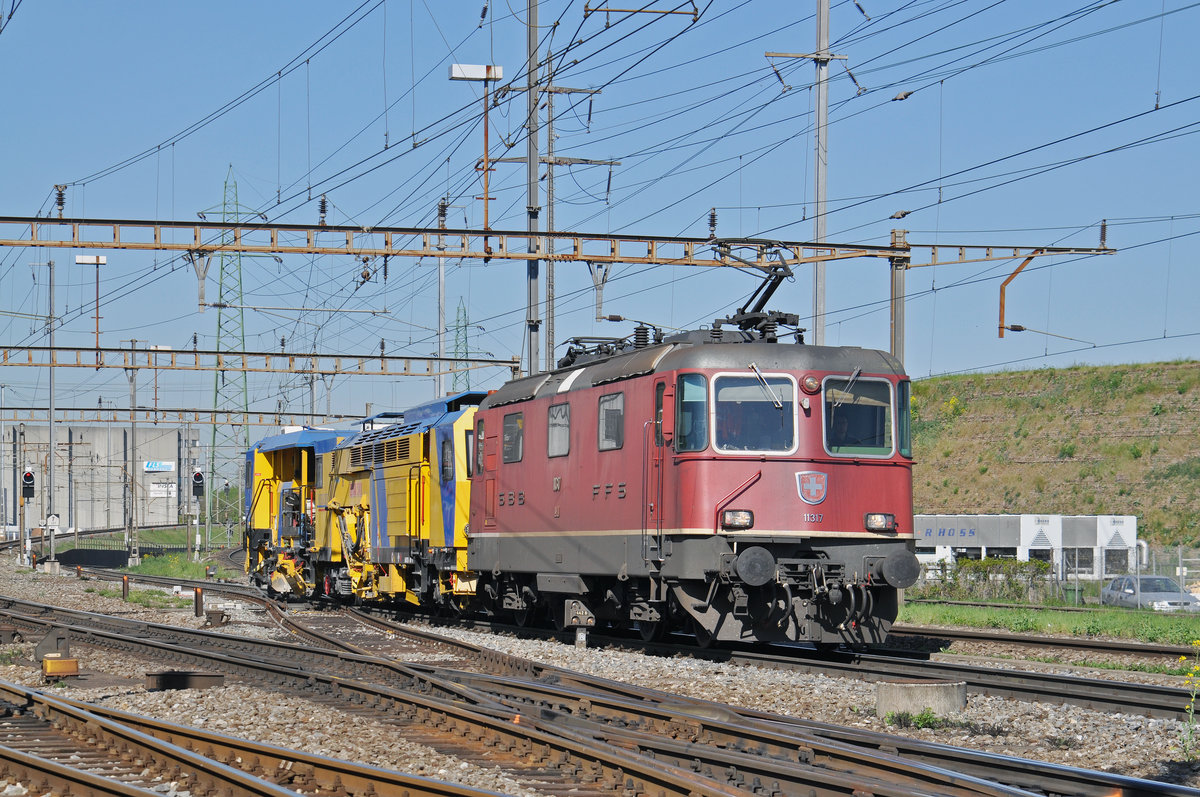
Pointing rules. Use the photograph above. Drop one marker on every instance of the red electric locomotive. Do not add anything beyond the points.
(720, 482)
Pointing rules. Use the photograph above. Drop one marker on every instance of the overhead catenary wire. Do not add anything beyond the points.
(411, 194)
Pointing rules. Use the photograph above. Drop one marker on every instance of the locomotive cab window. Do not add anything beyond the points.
(514, 437)
(479, 448)
(755, 412)
(904, 419)
(469, 448)
(691, 413)
(858, 416)
(447, 460)
(558, 430)
(612, 421)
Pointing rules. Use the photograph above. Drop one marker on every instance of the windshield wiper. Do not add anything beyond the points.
(849, 386)
(766, 388)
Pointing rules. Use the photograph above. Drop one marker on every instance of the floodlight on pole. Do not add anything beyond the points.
(97, 261)
(485, 73)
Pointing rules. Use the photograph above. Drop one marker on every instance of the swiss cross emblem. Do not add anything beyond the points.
(812, 485)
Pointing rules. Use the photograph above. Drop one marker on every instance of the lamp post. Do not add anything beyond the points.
(97, 261)
(131, 530)
(485, 73)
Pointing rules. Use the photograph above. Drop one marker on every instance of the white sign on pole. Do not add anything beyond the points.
(162, 489)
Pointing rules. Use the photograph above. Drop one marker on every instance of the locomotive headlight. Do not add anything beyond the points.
(880, 521)
(737, 519)
(810, 384)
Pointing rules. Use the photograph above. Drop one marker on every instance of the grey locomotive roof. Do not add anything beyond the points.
(687, 355)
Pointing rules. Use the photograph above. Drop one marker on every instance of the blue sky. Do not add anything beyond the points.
(1025, 124)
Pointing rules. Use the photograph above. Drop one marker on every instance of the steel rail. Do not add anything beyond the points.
(1041, 777)
(1149, 700)
(1038, 776)
(667, 727)
(527, 740)
(92, 731)
(1074, 643)
(330, 775)
(662, 735)
(959, 760)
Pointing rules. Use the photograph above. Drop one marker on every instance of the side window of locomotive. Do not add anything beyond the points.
(479, 438)
(469, 447)
(691, 413)
(513, 431)
(659, 391)
(904, 419)
(447, 460)
(753, 413)
(612, 421)
(558, 430)
(858, 416)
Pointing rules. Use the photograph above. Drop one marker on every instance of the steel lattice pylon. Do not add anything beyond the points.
(230, 393)
(462, 376)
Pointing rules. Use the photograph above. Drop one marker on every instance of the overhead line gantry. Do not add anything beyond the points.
(204, 238)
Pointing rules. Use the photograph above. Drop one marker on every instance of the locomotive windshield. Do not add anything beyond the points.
(858, 416)
(754, 413)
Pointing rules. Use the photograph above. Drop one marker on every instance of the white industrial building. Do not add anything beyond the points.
(1078, 546)
(92, 466)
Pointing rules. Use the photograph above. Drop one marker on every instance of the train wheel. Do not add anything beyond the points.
(651, 630)
(521, 617)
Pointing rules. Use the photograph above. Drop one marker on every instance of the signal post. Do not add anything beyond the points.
(198, 494)
(26, 492)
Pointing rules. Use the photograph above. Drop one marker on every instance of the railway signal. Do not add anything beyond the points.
(27, 484)
(198, 483)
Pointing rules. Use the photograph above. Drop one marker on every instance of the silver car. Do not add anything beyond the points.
(1152, 592)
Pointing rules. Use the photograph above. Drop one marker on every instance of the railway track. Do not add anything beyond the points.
(444, 715)
(562, 728)
(1102, 695)
(56, 746)
(1147, 700)
(544, 694)
(1072, 643)
(576, 698)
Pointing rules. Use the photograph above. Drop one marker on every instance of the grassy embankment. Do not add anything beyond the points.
(1087, 440)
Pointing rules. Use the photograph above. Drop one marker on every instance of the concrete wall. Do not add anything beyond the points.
(91, 474)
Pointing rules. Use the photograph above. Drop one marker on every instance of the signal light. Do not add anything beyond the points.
(27, 484)
(197, 483)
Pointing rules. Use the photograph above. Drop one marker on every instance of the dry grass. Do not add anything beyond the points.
(1121, 440)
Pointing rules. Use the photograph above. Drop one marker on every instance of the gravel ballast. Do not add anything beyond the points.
(1133, 746)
